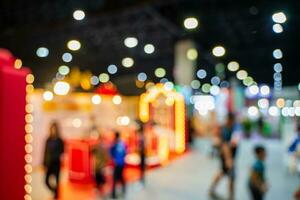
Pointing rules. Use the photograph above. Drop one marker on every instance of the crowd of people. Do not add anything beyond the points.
(227, 150)
(54, 148)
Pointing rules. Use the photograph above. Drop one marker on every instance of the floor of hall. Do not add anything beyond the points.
(189, 177)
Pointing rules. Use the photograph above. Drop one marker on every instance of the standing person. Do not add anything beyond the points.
(118, 153)
(142, 153)
(54, 148)
(227, 155)
(100, 158)
(257, 183)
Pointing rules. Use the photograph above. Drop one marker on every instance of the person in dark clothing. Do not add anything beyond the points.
(142, 152)
(54, 148)
(227, 156)
(257, 182)
(118, 153)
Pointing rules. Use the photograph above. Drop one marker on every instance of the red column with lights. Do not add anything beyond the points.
(12, 123)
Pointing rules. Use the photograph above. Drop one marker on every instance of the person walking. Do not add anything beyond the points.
(257, 182)
(227, 155)
(118, 153)
(54, 148)
(142, 152)
(100, 159)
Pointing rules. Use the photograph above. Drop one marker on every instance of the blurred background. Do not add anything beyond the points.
(173, 70)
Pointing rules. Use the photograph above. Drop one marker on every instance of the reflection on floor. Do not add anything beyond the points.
(188, 178)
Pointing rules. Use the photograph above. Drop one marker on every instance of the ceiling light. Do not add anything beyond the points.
(218, 51)
(74, 45)
(78, 15)
(131, 42)
(190, 23)
(149, 48)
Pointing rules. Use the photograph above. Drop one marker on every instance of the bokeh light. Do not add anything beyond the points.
(78, 15)
(195, 84)
(74, 45)
(241, 75)
(233, 66)
(190, 23)
(96, 99)
(131, 42)
(149, 48)
(64, 70)
(48, 95)
(277, 28)
(279, 17)
(42, 52)
(160, 72)
(67, 57)
(192, 54)
(142, 76)
(218, 51)
(94, 80)
(112, 69)
(117, 99)
(104, 77)
(277, 54)
(61, 88)
(201, 73)
(127, 62)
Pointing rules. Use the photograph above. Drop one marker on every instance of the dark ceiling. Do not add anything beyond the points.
(244, 28)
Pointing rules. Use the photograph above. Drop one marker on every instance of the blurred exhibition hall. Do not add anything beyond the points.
(150, 99)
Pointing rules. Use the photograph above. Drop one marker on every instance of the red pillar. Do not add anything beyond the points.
(12, 123)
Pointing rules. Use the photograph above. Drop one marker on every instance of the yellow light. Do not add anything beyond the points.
(149, 85)
(28, 148)
(127, 62)
(28, 188)
(29, 78)
(29, 108)
(139, 84)
(28, 128)
(29, 88)
(104, 78)
(28, 168)
(117, 99)
(18, 63)
(28, 118)
(280, 103)
(85, 84)
(192, 54)
(28, 178)
(163, 148)
(169, 101)
(28, 158)
(28, 138)
(74, 45)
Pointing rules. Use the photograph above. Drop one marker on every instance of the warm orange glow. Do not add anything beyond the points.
(28, 178)
(29, 118)
(172, 97)
(280, 103)
(29, 78)
(28, 158)
(28, 148)
(29, 108)
(28, 168)
(28, 188)
(28, 128)
(29, 88)
(28, 138)
(18, 63)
